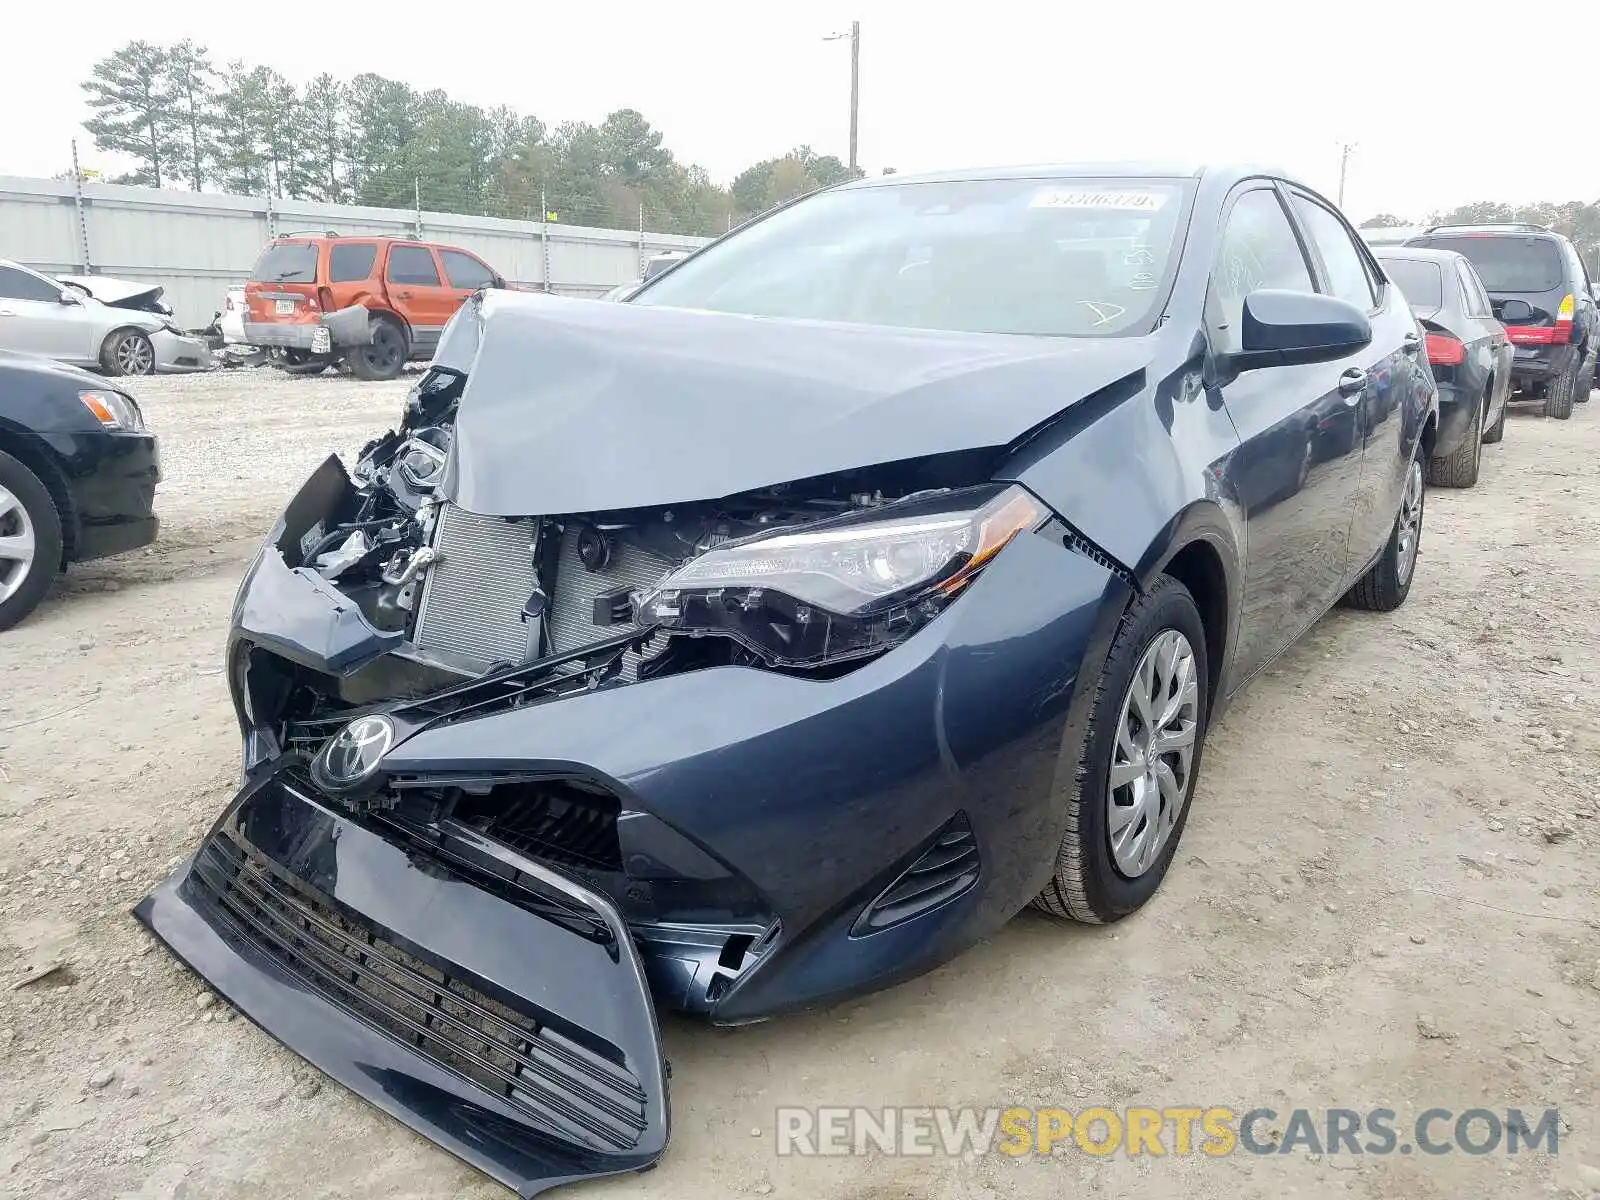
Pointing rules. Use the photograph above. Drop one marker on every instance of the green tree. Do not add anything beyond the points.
(131, 92)
(629, 150)
(239, 119)
(322, 105)
(192, 77)
(1384, 221)
(384, 116)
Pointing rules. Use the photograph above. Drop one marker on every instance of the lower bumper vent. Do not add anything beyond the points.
(560, 1085)
(946, 869)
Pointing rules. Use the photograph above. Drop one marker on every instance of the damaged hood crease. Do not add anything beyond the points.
(574, 406)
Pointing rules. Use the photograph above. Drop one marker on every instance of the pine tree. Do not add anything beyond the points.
(190, 76)
(131, 93)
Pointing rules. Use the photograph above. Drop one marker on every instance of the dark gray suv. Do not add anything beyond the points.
(1541, 293)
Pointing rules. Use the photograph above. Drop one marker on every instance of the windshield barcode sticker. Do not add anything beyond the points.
(1105, 200)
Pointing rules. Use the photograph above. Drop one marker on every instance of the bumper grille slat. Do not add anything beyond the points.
(553, 1080)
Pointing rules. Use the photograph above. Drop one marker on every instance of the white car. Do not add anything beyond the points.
(40, 315)
(231, 320)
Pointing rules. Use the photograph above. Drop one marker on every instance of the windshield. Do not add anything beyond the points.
(287, 262)
(1054, 257)
(1419, 281)
(1507, 264)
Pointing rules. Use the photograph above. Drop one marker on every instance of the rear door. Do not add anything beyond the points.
(1487, 347)
(419, 293)
(34, 320)
(1390, 368)
(352, 274)
(1298, 465)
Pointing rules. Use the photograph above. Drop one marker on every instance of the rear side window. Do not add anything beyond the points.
(1507, 263)
(464, 271)
(349, 262)
(287, 262)
(413, 265)
(1258, 250)
(19, 285)
(1347, 273)
(1421, 283)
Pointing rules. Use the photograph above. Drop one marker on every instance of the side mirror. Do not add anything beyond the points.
(1282, 329)
(1516, 311)
(68, 296)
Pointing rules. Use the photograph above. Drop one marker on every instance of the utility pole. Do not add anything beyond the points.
(1344, 163)
(855, 81)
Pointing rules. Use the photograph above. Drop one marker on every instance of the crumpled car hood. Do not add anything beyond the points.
(119, 293)
(575, 406)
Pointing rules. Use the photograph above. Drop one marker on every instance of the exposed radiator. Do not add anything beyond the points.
(473, 597)
(572, 607)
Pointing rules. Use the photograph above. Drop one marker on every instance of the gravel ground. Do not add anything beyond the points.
(1386, 894)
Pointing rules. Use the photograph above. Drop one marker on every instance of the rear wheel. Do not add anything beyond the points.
(1558, 400)
(1460, 470)
(1140, 759)
(385, 356)
(127, 352)
(298, 362)
(1387, 582)
(30, 540)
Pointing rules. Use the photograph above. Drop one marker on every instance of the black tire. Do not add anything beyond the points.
(385, 356)
(1496, 432)
(1460, 470)
(1087, 885)
(127, 352)
(309, 365)
(1558, 400)
(1387, 582)
(1580, 394)
(38, 510)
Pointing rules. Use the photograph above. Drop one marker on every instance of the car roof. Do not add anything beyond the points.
(1227, 173)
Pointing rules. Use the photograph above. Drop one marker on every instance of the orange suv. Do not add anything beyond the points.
(316, 299)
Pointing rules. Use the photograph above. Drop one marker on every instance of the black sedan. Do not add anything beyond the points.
(775, 634)
(78, 475)
(1469, 351)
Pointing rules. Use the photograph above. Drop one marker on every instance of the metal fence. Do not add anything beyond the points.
(198, 244)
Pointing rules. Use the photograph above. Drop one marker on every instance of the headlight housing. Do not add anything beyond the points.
(114, 410)
(846, 587)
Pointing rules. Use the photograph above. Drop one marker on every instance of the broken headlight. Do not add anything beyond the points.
(845, 587)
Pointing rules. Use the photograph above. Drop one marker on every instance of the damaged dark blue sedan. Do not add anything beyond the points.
(773, 636)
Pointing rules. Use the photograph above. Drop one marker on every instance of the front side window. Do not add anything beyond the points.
(1347, 273)
(412, 265)
(1046, 257)
(464, 271)
(22, 285)
(1258, 249)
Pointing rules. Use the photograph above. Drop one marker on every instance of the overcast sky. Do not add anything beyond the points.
(1429, 93)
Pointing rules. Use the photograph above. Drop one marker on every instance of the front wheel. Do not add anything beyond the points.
(30, 540)
(1140, 759)
(1387, 582)
(127, 352)
(1585, 384)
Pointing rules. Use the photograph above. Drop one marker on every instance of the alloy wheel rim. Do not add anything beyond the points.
(134, 355)
(1410, 529)
(18, 545)
(384, 350)
(1153, 757)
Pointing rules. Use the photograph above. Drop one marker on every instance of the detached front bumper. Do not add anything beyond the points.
(497, 1008)
(336, 330)
(178, 353)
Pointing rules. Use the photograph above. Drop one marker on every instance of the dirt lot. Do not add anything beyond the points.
(1387, 894)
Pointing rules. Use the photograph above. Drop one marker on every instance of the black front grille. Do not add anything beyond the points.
(945, 870)
(559, 1085)
(555, 821)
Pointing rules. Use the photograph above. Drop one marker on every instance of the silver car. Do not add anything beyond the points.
(38, 315)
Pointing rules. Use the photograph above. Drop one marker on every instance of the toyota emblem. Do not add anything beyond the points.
(353, 755)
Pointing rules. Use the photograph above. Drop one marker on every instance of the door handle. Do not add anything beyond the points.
(1351, 384)
(6, 312)
(1411, 343)
(404, 295)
